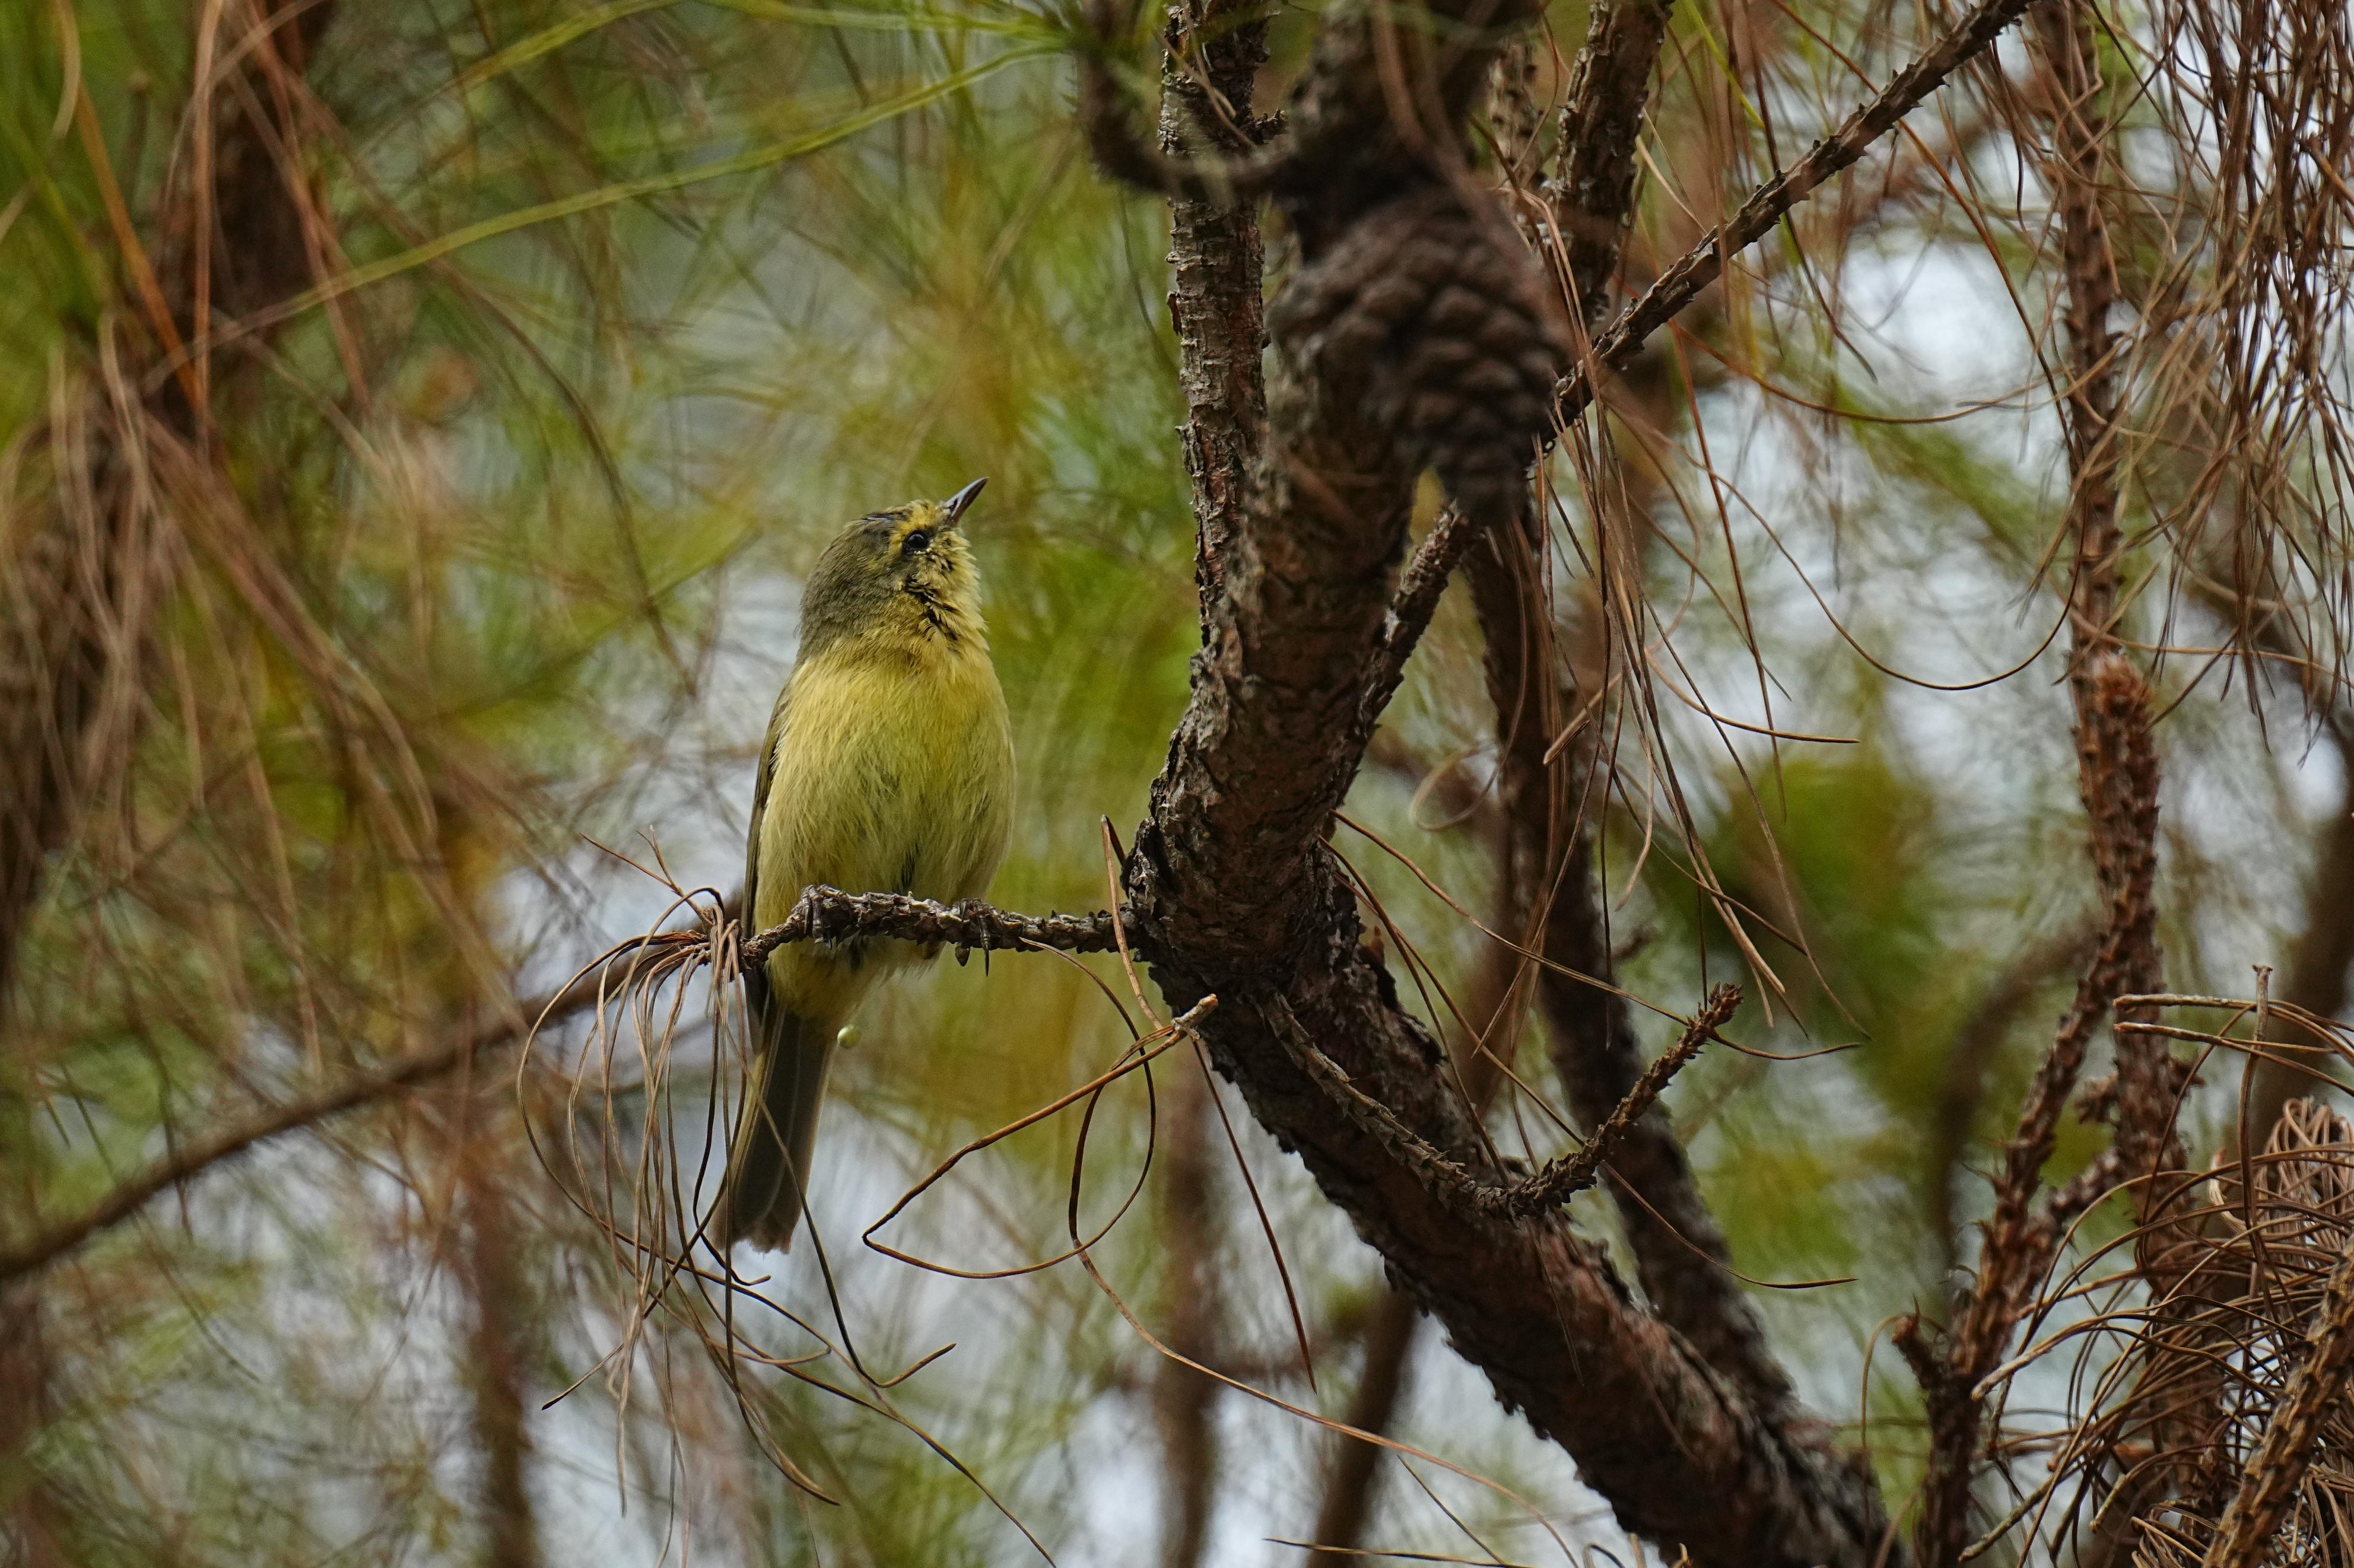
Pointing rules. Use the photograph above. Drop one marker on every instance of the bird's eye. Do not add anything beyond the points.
(915, 543)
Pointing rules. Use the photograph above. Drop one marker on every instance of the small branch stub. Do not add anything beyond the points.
(1561, 1178)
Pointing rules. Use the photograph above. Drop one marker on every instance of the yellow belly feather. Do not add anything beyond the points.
(894, 773)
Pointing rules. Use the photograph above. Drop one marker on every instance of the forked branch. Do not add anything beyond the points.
(1229, 890)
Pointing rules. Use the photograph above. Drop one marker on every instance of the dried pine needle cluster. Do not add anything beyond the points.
(2211, 1374)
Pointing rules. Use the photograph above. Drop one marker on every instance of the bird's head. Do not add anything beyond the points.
(902, 577)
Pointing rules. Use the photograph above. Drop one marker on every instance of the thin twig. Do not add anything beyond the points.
(1577, 1170)
(1561, 1178)
(830, 915)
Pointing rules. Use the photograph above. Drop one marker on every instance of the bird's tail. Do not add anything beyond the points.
(762, 1198)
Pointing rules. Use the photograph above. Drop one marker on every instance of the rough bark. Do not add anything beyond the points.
(1493, 1005)
(1231, 891)
(1411, 336)
(1552, 807)
(1677, 289)
(1212, 53)
(1962, 1087)
(1207, 79)
(1592, 196)
(1406, 339)
(2116, 753)
(1553, 811)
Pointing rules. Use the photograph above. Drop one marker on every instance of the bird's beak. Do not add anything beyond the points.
(955, 505)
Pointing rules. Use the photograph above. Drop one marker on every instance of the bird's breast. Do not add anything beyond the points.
(892, 774)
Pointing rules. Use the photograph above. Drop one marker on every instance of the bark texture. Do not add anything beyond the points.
(1408, 271)
(1553, 796)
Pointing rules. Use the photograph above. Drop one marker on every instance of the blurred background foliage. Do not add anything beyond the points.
(477, 581)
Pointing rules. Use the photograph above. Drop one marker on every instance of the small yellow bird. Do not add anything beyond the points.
(888, 766)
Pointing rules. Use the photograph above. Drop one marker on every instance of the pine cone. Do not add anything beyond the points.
(1436, 318)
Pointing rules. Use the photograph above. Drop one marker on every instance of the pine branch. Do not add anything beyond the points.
(830, 915)
(1675, 290)
(823, 914)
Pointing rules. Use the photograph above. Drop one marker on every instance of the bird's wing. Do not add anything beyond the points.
(766, 775)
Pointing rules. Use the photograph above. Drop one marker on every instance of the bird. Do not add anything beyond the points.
(888, 766)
